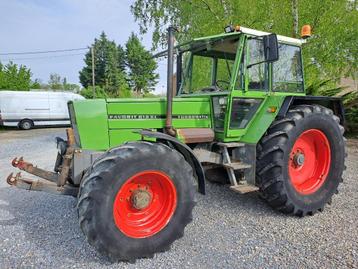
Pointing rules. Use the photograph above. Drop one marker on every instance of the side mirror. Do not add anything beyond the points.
(270, 47)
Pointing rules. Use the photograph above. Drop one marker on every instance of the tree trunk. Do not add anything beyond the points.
(227, 12)
(295, 18)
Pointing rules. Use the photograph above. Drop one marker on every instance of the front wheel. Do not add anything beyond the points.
(300, 160)
(136, 200)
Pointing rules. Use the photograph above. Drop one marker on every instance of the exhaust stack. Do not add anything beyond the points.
(168, 123)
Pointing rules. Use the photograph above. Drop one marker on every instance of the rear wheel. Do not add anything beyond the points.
(26, 124)
(136, 200)
(301, 160)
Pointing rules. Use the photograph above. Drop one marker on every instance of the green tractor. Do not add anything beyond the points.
(236, 112)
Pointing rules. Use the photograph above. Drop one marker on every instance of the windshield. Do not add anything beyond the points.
(208, 68)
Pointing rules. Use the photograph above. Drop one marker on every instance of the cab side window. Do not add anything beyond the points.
(257, 71)
(201, 68)
(287, 71)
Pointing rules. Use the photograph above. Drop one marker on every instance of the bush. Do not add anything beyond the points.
(101, 93)
(88, 92)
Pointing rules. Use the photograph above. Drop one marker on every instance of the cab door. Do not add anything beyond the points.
(251, 88)
(261, 89)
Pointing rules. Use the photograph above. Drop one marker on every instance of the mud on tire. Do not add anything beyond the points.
(274, 157)
(105, 179)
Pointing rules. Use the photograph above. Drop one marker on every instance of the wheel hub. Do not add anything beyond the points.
(140, 199)
(299, 159)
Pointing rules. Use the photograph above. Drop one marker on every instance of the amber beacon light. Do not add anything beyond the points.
(306, 31)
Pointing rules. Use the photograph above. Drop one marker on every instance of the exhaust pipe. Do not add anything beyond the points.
(168, 122)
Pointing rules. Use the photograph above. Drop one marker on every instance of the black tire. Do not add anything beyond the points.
(101, 184)
(26, 124)
(273, 154)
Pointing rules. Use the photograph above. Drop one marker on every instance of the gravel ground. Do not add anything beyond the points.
(229, 230)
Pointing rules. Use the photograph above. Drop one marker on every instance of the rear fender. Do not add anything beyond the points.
(185, 151)
(333, 103)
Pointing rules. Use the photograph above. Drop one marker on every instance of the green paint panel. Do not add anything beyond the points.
(157, 124)
(262, 120)
(92, 124)
(107, 123)
(118, 137)
(150, 113)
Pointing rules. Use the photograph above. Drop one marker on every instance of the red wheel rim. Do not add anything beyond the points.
(145, 204)
(309, 162)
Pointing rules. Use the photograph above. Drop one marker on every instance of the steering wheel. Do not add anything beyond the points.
(217, 87)
(220, 81)
(211, 89)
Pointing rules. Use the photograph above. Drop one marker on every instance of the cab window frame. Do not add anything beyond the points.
(300, 82)
(247, 61)
(186, 74)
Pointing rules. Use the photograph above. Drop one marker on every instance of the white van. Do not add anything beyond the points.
(26, 109)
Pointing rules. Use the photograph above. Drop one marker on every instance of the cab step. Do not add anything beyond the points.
(232, 166)
(243, 188)
(237, 165)
(231, 144)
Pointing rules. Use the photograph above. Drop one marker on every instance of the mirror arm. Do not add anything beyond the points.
(251, 65)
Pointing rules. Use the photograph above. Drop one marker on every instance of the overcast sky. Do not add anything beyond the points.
(38, 25)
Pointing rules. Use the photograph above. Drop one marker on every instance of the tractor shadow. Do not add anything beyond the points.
(49, 224)
(220, 195)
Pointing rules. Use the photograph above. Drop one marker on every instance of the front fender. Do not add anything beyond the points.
(185, 151)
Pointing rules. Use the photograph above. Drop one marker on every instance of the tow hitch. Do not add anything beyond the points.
(39, 185)
(28, 167)
(50, 181)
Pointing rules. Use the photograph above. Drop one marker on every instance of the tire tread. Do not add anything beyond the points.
(97, 173)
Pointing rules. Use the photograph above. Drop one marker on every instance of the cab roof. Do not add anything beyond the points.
(202, 41)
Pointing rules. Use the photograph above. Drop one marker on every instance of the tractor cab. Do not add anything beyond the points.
(238, 71)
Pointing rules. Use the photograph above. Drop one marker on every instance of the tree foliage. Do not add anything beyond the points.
(119, 70)
(69, 86)
(88, 92)
(36, 84)
(101, 93)
(18, 78)
(141, 65)
(15, 77)
(331, 53)
(109, 67)
(54, 82)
